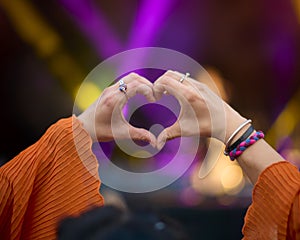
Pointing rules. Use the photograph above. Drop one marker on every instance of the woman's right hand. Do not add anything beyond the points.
(203, 113)
(104, 120)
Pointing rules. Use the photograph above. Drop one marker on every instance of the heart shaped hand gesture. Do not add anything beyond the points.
(203, 113)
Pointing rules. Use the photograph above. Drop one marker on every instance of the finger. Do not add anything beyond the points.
(137, 84)
(169, 79)
(181, 78)
(159, 90)
(136, 87)
(141, 79)
(144, 86)
(142, 135)
(133, 77)
(160, 85)
(168, 134)
(173, 88)
(122, 129)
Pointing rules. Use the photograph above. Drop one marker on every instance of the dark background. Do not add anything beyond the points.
(48, 47)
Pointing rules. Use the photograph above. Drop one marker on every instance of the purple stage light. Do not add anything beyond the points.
(144, 32)
(101, 35)
(96, 29)
(150, 18)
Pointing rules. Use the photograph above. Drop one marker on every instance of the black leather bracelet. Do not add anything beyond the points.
(241, 139)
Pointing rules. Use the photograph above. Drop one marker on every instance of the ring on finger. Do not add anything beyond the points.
(122, 86)
(185, 76)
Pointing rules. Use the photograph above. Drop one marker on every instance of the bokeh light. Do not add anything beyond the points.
(89, 92)
(250, 49)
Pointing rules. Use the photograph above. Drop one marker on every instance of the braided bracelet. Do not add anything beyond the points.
(245, 144)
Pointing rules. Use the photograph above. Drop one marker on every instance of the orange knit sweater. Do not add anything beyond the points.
(275, 209)
(55, 178)
(47, 182)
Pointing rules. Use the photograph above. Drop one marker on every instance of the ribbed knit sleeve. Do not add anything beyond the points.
(274, 213)
(54, 178)
(294, 220)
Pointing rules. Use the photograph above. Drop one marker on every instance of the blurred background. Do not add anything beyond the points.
(250, 49)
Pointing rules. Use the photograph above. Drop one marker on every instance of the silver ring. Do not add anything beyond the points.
(122, 86)
(184, 77)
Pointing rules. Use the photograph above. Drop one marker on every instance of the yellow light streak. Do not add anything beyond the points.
(48, 45)
(286, 121)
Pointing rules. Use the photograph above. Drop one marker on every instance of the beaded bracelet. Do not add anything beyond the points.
(245, 144)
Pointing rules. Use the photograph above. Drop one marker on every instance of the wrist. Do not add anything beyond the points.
(234, 121)
(85, 123)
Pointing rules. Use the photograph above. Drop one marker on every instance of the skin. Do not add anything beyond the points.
(208, 105)
(203, 113)
(104, 120)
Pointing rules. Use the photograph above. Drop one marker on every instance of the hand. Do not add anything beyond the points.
(104, 120)
(203, 113)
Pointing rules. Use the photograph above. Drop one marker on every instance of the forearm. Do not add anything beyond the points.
(256, 157)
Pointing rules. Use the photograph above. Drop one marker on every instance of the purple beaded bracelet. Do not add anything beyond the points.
(245, 144)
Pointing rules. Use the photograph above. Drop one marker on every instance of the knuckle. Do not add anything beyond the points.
(105, 91)
(134, 76)
(201, 86)
(169, 74)
(166, 78)
(191, 97)
(143, 138)
(133, 85)
(108, 101)
(138, 134)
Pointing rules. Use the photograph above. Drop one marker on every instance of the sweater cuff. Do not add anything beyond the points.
(273, 196)
(83, 144)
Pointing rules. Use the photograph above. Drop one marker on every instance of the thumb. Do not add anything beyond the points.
(143, 135)
(168, 134)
